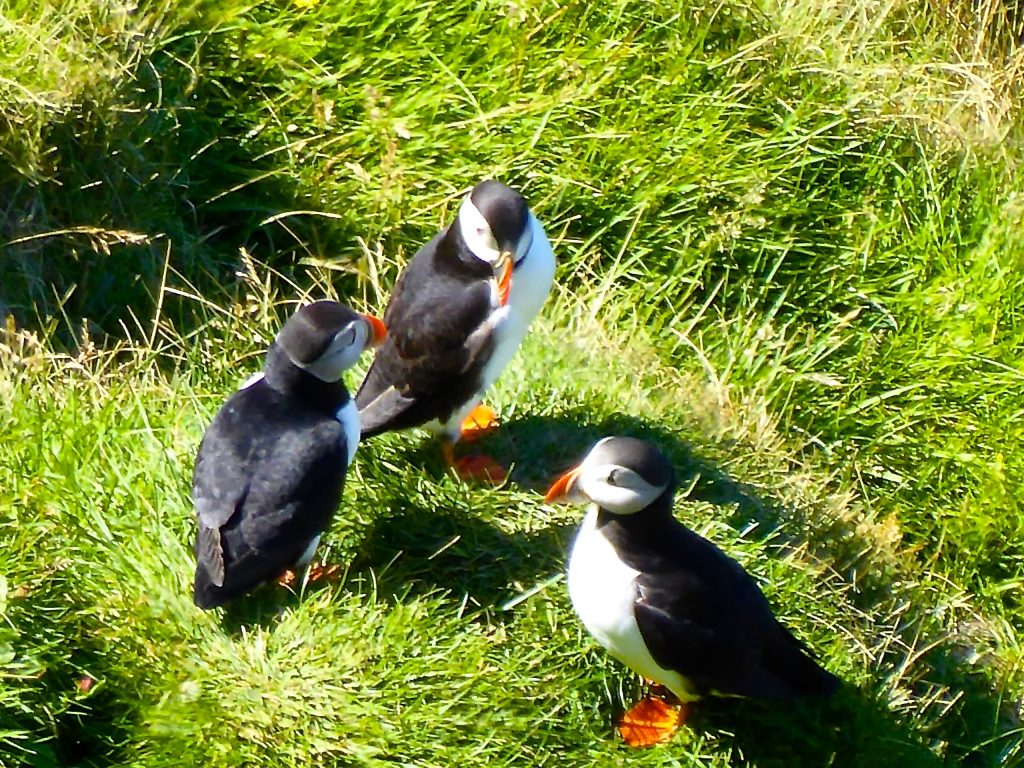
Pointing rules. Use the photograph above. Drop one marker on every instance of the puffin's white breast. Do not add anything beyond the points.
(603, 591)
(348, 415)
(531, 284)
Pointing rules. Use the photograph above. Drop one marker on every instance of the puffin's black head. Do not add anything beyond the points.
(494, 222)
(325, 338)
(622, 475)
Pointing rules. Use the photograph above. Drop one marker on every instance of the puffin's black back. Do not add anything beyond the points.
(428, 367)
(703, 616)
(268, 478)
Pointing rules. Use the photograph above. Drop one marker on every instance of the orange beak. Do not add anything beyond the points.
(562, 486)
(505, 267)
(378, 330)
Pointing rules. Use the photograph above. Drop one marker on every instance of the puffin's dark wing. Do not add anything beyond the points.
(220, 483)
(264, 486)
(437, 335)
(701, 615)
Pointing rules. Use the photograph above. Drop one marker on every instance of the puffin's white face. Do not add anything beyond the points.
(480, 239)
(599, 479)
(345, 348)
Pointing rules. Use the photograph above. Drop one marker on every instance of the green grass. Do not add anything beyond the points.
(789, 243)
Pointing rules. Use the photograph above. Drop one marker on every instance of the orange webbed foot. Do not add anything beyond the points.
(318, 572)
(651, 721)
(324, 573)
(480, 468)
(481, 421)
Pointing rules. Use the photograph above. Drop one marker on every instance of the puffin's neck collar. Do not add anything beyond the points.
(282, 374)
(650, 516)
(529, 244)
(453, 255)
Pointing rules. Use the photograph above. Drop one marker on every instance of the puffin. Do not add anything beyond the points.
(665, 601)
(271, 466)
(456, 316)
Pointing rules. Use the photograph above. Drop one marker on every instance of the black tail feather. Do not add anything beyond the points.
(792, 663)
(207, 595)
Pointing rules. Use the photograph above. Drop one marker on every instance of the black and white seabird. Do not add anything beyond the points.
(271, 467)
(456, 316)
(665, 601)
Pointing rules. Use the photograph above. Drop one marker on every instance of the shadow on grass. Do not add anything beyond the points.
(416, 550)
(90, 245)
(429, 548)
(850, 729)
(857, 728)
(89, 726)
(259, 608)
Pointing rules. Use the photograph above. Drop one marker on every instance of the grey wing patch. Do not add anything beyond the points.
(480, 339)
(214, 512)
(210, 553)
(216, 509)
(383, 408)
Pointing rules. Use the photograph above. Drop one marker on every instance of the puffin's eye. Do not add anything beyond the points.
(480, 231)
(612, 476)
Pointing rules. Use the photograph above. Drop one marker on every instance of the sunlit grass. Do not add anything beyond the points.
(789, 243)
